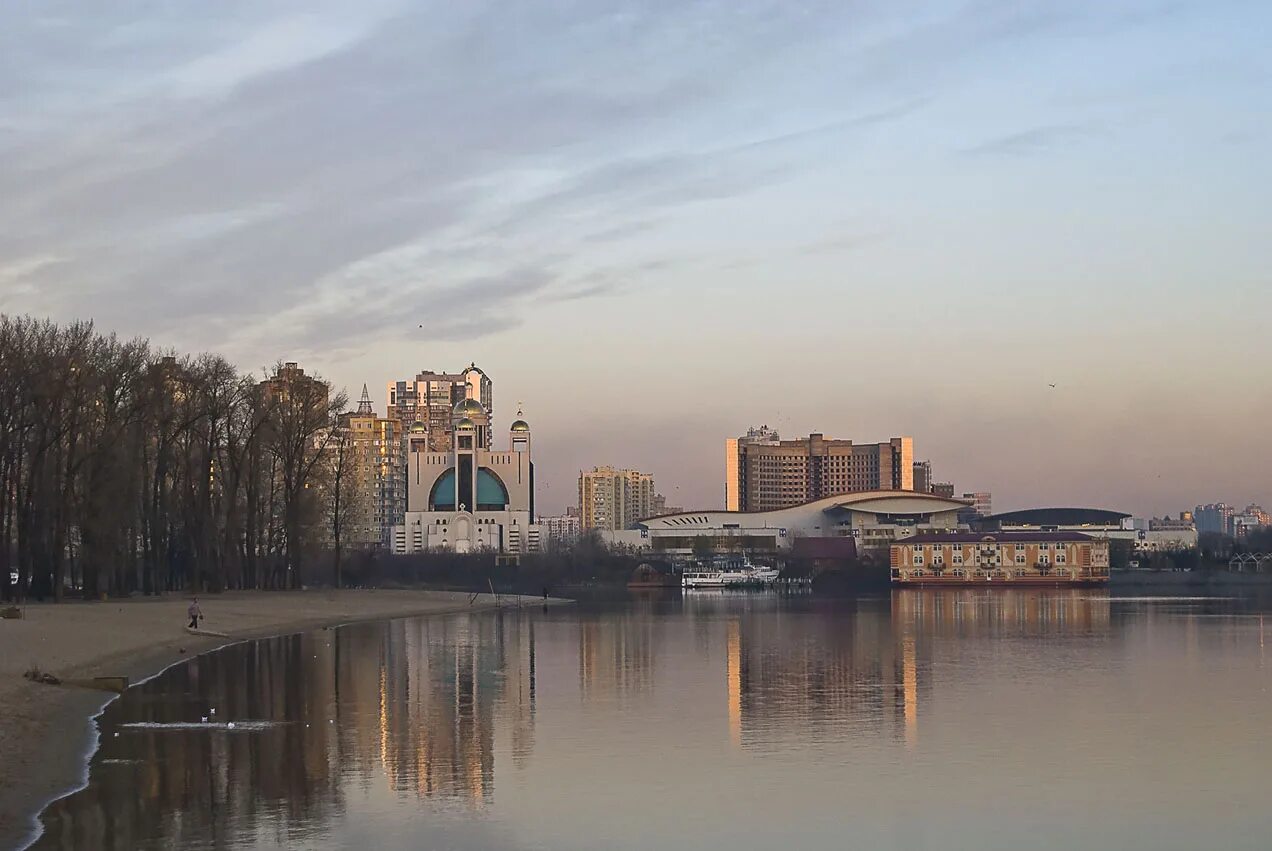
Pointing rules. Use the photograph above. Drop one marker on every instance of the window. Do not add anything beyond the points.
(1061, 558)
(1020, 555)
(918, 556)
(957, 558)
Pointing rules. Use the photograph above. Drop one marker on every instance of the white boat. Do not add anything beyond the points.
(733, 573)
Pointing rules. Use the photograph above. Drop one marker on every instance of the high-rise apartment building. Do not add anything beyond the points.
(1215, 517)
(767, 474)
(375, 471)
(923, 476)
(615, 499)
(428, 400)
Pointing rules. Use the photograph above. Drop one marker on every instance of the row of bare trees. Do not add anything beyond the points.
(124, 469)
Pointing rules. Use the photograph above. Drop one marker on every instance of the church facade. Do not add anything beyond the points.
(471, 498)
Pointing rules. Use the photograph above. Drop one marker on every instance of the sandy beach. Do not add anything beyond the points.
(45, 731)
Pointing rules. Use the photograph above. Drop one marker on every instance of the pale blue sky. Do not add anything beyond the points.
(659, 223)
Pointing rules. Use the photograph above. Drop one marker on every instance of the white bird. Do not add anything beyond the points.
(213, 711)
(230, 725)
(203, 720)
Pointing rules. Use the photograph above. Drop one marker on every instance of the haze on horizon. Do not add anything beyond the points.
(657, 224)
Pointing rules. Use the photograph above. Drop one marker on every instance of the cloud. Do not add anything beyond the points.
(1035, 140)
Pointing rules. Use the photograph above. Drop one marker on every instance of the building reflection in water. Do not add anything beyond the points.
(830, 673)
(418, 710)
(412, 704)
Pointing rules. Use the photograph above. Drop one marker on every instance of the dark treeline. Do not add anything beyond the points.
(124, 469)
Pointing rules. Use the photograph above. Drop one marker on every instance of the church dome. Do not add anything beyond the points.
(469, 408)
(465, 423)
(520, 425)
(419, 428)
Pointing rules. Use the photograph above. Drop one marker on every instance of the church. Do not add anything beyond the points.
(471, 498)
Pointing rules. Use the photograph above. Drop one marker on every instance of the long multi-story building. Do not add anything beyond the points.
(768, 474)
(615, 499)
(1003, 558)
(428, 399)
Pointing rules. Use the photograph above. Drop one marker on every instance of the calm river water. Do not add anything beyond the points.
(943, 719)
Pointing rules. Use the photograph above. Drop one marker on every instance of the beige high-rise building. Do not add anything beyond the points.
(428, 400)
(376, 469)
(763, 473)
(615, 499)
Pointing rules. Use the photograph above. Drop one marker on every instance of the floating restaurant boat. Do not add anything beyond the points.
(1047, 559)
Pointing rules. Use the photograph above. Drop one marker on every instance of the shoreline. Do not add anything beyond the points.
(48, 734)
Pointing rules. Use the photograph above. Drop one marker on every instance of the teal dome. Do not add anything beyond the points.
(491, 493)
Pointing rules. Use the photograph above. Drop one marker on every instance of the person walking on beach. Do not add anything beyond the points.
(195, 613)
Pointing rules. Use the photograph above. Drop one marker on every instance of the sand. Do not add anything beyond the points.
(45, 731)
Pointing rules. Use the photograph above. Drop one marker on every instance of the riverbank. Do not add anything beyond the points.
(46, 731)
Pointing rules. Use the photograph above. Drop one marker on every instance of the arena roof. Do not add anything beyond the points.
(1058, 517)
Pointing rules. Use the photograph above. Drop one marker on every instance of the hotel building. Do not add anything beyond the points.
(764, 474)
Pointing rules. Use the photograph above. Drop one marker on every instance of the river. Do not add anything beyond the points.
(945, 719)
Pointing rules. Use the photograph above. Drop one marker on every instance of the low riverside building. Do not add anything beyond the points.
(472, 498)
(872, 519)
(1005, 558)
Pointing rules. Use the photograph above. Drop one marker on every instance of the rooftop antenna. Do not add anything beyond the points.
(364, 404)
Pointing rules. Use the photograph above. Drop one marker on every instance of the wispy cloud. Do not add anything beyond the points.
(1035, 140)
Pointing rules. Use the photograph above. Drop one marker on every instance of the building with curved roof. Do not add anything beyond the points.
(1097, 522)
(873, 519)
(1058, 517)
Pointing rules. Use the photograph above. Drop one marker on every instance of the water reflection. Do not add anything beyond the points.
(387, 730)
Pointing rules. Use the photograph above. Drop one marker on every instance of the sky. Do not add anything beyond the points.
(655, 224)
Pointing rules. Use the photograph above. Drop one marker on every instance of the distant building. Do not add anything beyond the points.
(943, 489)
(982, 505)
(428, 399)
(564, 528)
(766, 474)
(1253, 517)
(472, 497)
(872, 519)
(376, 471)
(923, 477)
(1215, 517)
(289, 381)
(733, 454)
(615, 499)
(660, 507)
(1005, 558)
(1096, 522)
